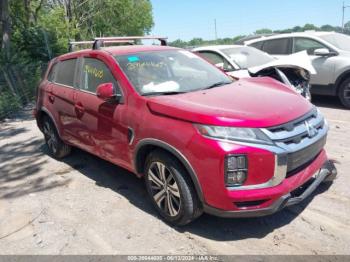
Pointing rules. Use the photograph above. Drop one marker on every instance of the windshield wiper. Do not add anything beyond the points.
(159, 93)
(217, 84)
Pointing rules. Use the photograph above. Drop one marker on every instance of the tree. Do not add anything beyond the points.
(263, 31)
(35, 31)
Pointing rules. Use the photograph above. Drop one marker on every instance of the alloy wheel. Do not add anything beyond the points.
(165, 190)
(50, 137)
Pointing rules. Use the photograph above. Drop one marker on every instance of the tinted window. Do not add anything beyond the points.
(217, 60)
(257, 45)
(51, 76)
(301, 44)
(276, 46)
(65, 72)
(94, 73)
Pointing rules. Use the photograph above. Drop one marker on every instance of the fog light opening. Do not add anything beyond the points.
(236, 169)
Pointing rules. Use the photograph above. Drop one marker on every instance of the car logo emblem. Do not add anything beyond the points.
(311, 130)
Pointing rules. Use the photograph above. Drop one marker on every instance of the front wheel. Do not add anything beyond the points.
(344, 93)
(170, 189)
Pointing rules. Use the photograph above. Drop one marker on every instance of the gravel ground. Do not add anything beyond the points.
(84, 205)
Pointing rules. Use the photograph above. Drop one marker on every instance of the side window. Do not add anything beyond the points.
(257, 45)
(217, 60)
(53, 70)
(94, 73)
(310, 45)
(277, 46)
(65, 72)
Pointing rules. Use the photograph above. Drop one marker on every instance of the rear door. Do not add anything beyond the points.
(278, 47)
(100, 124)
(61, 96)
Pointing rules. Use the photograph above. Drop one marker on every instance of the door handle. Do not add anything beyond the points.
(79, 109)
(51, 99)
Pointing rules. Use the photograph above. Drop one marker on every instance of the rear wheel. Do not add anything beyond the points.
(57, 148)
(170, 189)
(344, 93)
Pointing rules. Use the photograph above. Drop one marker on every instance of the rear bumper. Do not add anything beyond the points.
(327, 172)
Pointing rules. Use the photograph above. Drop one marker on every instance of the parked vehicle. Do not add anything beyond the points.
(202, 141)
(244, 61)
(329, 53)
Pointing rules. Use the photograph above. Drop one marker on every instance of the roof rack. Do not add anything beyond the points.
(72, 44)
(99, 41)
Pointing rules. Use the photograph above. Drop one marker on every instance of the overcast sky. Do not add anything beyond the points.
(186, 19)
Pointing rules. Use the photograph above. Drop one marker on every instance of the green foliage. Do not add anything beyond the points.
(200, 42)
(263, 31)
(8, 104)
(41, 30)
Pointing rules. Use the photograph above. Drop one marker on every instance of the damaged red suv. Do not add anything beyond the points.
(200, 141)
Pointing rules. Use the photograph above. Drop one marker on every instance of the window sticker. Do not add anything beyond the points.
(141, 65)
(133, 59)
(94, 71)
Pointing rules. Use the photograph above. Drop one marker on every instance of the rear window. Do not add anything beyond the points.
(65, 72)
(276, 46)
(51, 76)
(257, 45)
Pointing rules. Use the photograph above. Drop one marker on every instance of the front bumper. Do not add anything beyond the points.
(327, 172)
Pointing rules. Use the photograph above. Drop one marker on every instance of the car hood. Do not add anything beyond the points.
(250, 102)
(300, 59)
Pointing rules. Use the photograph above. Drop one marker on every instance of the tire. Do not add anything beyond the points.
(57, 148)
(344, 93)
(178, 203)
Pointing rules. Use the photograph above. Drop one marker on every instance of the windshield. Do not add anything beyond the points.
(171, 71)
(246, 57)
(338, 40)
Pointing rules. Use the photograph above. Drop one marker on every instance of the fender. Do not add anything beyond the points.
(177, 154)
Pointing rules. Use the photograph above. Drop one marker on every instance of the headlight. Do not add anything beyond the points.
(249, 135)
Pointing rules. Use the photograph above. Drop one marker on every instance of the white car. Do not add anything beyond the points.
(244, 61)
(329, 53)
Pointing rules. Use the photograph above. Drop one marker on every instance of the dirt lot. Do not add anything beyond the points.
(84, 205)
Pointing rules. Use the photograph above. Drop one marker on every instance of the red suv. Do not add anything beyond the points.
(201, 141)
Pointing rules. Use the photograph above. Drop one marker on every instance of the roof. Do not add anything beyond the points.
(121, 50)
(306, 33)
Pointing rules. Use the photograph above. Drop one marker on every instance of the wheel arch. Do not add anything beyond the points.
(145, 146)
(42, 113)
(341, 78)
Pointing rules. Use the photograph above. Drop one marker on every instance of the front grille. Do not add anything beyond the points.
(301, 140)
(301, 157)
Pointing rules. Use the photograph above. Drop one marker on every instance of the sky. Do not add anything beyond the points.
(186, 19)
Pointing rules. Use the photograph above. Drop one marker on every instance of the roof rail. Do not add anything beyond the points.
(72, 44)
(99, 41)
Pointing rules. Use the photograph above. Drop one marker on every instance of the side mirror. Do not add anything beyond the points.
(323, 52)
(106, 92)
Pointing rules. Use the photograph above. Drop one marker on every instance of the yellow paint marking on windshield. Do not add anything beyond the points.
(139, 65)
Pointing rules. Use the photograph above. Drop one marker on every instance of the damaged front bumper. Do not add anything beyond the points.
(327, 173)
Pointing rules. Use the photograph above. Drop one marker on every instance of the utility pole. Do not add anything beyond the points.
(342, 24)
(216, 32)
